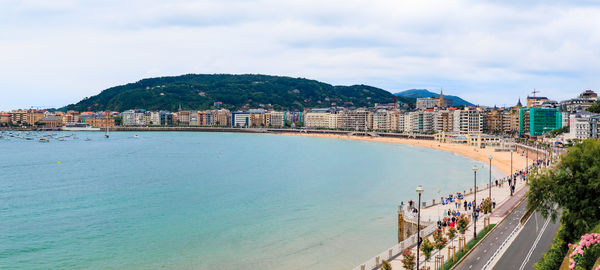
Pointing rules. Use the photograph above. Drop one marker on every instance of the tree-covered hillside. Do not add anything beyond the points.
(201, 91)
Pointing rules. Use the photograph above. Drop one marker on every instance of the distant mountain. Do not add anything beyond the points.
(421, 93)
(201, 91)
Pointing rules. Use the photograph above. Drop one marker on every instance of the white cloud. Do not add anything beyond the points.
(55, 53)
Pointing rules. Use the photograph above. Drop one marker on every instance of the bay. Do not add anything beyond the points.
(186, 200)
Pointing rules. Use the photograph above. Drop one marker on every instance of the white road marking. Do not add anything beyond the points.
(534, 245)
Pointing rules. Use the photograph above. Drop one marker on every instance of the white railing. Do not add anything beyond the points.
(396, 250)
(411, 217)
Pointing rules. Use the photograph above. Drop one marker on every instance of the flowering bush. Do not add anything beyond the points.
(451, 233)
(408, 258)
(462, 224)
(585, 253)
(439, 239)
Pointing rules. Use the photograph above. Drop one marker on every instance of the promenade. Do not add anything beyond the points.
(504, 203)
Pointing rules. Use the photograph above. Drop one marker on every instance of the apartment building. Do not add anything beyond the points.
(275, 119)
(443, 121)
(359, 119)
(326, 118)
(220, 117)
(382, 120)
(18, 116)
(468, 121)
(537, 121)
(421, 122)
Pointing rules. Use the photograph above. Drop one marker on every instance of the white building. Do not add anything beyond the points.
(427, 103)
(135, 118)
(381, 120)
(468, 121)
(326, 118)
(240, 119)
(420, 122)
(579, 125)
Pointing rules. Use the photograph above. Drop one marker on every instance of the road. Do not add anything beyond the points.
(480, 255)
(531, 242)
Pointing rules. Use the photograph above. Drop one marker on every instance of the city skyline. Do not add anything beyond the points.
(488, 53)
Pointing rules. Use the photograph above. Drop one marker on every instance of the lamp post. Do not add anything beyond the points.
(490, 195)
(475, 199)
(511, 172)
(420, 190)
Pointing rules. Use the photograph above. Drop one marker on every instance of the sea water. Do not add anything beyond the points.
(185, 200)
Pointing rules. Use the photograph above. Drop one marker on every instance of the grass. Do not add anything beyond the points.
(469, 246)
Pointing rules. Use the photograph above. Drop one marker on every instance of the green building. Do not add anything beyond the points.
(537, 121)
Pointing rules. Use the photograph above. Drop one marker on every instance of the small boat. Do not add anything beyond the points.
(87, 139)
(44, 140)
(136, 136)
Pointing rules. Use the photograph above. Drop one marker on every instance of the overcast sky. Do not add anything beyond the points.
(53, 53)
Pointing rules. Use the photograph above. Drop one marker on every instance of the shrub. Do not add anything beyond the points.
(408, 258)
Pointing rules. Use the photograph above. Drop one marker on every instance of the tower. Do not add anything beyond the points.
(441, 104)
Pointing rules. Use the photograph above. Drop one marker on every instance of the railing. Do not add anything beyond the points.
(396, 250)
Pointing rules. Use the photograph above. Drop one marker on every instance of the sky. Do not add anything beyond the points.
(54, 53)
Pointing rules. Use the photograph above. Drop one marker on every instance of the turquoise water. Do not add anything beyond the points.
(177, 200)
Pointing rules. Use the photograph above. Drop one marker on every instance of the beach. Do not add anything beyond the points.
(500, 160)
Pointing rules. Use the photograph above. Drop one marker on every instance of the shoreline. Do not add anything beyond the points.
(500, 160)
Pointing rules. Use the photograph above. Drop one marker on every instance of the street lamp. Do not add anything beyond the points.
(475, 199)
(490, 195)
(511, 172)
(420, 190)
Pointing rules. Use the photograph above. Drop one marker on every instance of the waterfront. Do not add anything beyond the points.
(209, 200)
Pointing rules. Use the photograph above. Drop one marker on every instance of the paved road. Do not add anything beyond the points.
(530, 244)
(479, 257)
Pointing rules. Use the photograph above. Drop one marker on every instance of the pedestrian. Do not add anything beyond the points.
(465, 203)
(496, 182)
(494, 203)
(469, 205)
(402, 205)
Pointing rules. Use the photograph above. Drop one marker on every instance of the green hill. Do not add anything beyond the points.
(421, 93)
(200, 91)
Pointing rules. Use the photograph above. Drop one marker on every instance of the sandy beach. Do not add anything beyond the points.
(500, 160)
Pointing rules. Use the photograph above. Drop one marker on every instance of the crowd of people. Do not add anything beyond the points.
(471, 208)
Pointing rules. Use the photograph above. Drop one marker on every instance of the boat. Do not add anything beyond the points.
(44, 140)
(79, 127)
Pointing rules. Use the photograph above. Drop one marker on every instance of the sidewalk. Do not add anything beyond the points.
(504, 204)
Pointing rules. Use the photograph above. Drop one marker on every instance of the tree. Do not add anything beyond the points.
(439, 239)
(386, 265)
(427, 248)
(573, 186)
(462, 224)
(487, 205)
(595, 108)
(451, 233)
(408, 258)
